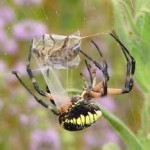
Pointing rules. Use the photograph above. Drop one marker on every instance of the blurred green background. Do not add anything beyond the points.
(24, 124)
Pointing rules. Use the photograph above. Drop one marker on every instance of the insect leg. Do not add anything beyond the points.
(33, 80)
(54, 110)
(48, 90)
(130, 65)
(102, 67)
(88, 68)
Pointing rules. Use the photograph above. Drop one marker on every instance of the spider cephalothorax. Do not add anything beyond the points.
(81, 112)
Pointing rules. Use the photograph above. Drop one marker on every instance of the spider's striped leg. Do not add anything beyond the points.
(102, 67)
(130, 66)
(89, 70)
(54, 110)
(33, 80)
(104, 70)
(92, 72)
(63, 50)
(86, 84)
(48, 90)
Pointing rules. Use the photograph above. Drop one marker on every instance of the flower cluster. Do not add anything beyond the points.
(7, 43)
(28, 29)
(12, 31)
(45, 140)
(27, 2)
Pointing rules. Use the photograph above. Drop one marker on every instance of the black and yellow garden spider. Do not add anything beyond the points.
(81, 112)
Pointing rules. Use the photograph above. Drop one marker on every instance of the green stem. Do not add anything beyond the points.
(125, 133)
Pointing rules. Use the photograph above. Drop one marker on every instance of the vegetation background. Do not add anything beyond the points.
(24, 124)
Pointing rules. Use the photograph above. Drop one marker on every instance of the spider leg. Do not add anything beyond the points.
(48, 90)
(102, 67)
(63, 50)
(97, 91)
(52, 40)
(54, 110)
(95, 87)
(43, 38)
(130, 66)
(33, 80)
(92, 72)
(88, 68)
(86, 84)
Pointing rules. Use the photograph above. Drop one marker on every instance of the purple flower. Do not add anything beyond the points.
(91, 141)
(3, 35)
(10, 46)
(24, 119)
(45, 140)
(108, 103)
(20, 67)
(99, 135)
(28, 29)
(112, 137)
(27, 2)
(6, 14)
(2, 24)
(3, 67)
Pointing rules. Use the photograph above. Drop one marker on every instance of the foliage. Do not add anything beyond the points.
(134, 31)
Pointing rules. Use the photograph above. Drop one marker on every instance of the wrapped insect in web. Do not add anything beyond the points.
(53, 53)
(57, 51)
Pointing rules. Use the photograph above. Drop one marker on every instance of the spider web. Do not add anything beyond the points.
(54, 65)
(54, 43)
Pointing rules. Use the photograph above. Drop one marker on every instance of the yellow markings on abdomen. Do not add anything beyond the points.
(91, 116)
(82, 120)
(87, 120)
(78, 121)
(71, 121)
(74, 121)
(99, 113)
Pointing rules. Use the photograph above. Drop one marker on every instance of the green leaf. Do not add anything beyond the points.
(118, 19)
(129, 17)
(140, 4)
(125, 133)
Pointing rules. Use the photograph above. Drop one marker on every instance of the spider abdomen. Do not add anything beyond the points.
(81, 115)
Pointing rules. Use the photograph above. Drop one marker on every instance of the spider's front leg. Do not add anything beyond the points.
(53, 109)
(33, 80)
(130, 70)
(88, 86)
(100, 89)
(35, 85)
